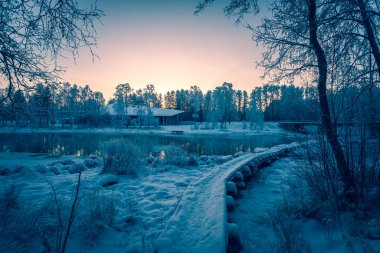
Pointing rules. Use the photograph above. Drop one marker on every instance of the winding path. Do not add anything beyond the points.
(199, 222)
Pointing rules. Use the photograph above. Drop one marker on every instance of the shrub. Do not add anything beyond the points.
(121, 157)
(285, 230)
(99, 213)
(20, 224)
(175, 155)
(76, 168)
(92, 162)
(55, 170)
(5, 171)
(67, 162)
(9, 198)
(193, 160)
(41, 169)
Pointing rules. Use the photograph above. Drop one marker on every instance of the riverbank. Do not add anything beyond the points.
(234, 129)
(276, 213)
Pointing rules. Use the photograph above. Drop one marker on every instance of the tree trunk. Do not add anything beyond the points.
(328, 128)
(370, 33)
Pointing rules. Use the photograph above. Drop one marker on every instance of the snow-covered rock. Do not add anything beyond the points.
(238, 177)
(230, 202)
(231, 188)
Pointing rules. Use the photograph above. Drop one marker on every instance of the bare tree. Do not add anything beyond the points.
(300, 40)
(34, 33)
(323, 101)
(368, 15)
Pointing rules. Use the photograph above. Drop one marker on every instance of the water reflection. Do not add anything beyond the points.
(84, 144)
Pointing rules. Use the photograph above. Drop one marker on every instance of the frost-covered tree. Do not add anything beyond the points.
(223, 97)
(150, 96)
(122, 98)
(170, 100)
(238, 97)
(196, 100)
(245, 105)
(20, 108)
(41, 105)
(255, 115)
(34, 33)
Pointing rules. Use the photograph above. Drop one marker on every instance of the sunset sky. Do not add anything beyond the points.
(162, 43)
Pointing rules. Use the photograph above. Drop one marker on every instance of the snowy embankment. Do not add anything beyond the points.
(276, 213)
(199, 222)
(234, 128)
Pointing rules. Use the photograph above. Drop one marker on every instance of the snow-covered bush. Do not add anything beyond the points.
(5, 171)
(99, 212)
(67, 162)
(55, 170)
(285, 230)
(76, 168)
(175, 155)
(121, 157)
(66, 167)
(109, 180)
(93, 161)
(21, 225)
(224, 159)
(150, 159)
(193, 160)
(9, 198)
(41, 169)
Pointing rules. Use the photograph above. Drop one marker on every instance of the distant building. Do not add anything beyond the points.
(164, 116)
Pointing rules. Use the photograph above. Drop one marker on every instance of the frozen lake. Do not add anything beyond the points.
(91, 143)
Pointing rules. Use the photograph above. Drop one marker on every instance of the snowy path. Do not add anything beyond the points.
(199, 222)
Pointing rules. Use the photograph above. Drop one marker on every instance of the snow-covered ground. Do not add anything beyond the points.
(199, 223)
(143, 204)
(165, 208)
(268, 199)
(235, 128)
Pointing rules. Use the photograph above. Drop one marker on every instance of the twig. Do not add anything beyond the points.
(72, 215)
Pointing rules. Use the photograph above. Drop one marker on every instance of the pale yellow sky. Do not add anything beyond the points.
(166, 45)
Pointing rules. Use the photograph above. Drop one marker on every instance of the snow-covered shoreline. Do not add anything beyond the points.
(235, 129)
(277, 204)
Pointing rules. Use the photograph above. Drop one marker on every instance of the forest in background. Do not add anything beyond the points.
(64, 103)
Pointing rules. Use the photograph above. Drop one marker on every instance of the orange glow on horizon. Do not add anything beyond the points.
(169, 49)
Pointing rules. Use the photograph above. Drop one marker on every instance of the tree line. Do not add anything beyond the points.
(67, 104)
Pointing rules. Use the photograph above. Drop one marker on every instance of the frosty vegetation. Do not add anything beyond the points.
(327, 51)
(57, 219)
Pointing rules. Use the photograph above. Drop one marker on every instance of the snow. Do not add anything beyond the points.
(266, 193)
(235, 129)
(259, 199)
(143, 203)
(171, 210)
(134, 111)
(199, 223)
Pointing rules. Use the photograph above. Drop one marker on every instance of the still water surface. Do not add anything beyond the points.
(85, 144)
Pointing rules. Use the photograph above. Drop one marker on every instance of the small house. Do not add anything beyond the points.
(162, 115)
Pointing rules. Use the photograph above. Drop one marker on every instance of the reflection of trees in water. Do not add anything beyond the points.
(85, 144)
